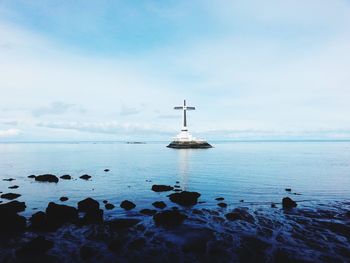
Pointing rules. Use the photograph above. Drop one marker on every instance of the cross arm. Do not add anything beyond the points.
(178, 108)
(191, 108)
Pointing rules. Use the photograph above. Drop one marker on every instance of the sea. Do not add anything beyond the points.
(256, 173)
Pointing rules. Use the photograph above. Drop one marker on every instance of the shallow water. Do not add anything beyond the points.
(256, 172)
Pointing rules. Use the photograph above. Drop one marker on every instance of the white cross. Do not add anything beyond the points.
(184, 119)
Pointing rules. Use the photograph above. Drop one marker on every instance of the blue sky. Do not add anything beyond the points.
(113, 70)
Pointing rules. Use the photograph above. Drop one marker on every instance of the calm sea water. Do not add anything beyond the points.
(257, 172)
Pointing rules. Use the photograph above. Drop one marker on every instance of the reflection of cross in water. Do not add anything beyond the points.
(184, 156)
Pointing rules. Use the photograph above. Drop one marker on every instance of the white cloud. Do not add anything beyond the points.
(9, 132)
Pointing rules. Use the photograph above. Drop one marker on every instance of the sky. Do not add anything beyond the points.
(114, 70)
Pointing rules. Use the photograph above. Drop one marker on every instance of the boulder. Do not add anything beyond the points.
(105, 201)
(109, 206)
(148, 212)
(58, 215)
(10, 196)
(127, 205)
(106, 170)
(288, 203)
(223, 205)
(63, 199)
(36, 246)
(161, 188)
(185, 198)
(13, 206)
(159, 204)
(240, 214)
(50, 178)
(38, 221)
(11, 223)
(88, 205)
(123, 223)
(92, 217)
(169, 218)
(66, 177)
(85, 177)
(13, 187)
(196, 240)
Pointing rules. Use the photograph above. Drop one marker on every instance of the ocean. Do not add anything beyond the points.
(254, 173)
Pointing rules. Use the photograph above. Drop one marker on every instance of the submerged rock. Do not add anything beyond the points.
(8, 179)
(223, 205)
(85, 177)
(169, 218)
(185, 198)
(88, 205)
(10, 196)
(159, 204)
(161, 188)
(123, 223)
(148, 212)
(109, 206)
(127, 205)
(288, 203)
(220, 199)
(13, 187)
(36, 246)
(66, 177)
(47, 178)
(63, 199)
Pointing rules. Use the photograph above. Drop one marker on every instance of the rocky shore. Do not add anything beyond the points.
(182, 232)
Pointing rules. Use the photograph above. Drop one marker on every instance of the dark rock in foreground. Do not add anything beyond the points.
(161, 188)
(88, 205)
(92, 217)
(13, 206)
(87, 252)
(37, 246)
(10, 196)
(66, 177)
(240, 214)
(127, 205)
(38, 221)
(185, 198)
(159, 204)
(189, 145)
(169, 218)
(85, 177)
(123, 223)
(58, 215)
(11, 223)
(50, 178)
(148, 212)
(288, 203)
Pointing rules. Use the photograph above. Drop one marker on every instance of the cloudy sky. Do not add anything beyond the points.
(113, 70)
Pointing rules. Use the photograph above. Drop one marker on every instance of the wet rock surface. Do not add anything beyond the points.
(66, 177)
(288, 203)
(185, 198)
(50, 178)
(161, 188)
(159, 204)
(10, 196)
(169, 218)
(127, 205)
(85, 177)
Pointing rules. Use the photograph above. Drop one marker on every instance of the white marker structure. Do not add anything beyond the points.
(184, 139)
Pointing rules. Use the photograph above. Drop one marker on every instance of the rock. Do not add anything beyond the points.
(169, 218)
(240, 214)
(109, 206)
(85, 177)
(148, 212)
(288, 203)
(87, 252)
(66, 177)
(177, 186)
(185, 198)
(159, 204)
(241, 201)
(222, 205)
(13, 207)
(105, 201)
(63, 199)
(9, 179)
(10, 196)
(137, 243)
(196, 240)
(36, 246)
(288, 189)
(116, 245)
(220, 199)
(123, 223)
(177, 182)
(161, 188)
(11, 223)
(106, 170)
(88, 204)
(31, 176)
(273, 205)
(38, 221)
(127, 205)
(177, 190)
(13, 187)
(92, 217)
(47, 178)
(58, 215)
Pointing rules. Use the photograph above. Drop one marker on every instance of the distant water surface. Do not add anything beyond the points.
(256, 172)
